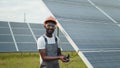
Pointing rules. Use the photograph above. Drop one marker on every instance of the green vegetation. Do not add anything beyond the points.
(31, 60)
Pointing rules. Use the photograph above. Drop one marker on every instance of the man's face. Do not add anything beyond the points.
(50, 27)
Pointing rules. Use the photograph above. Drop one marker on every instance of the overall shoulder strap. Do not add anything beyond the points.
(45, 39)
(46, 42)
(55, 39)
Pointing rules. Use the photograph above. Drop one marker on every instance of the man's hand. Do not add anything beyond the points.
(64, 58)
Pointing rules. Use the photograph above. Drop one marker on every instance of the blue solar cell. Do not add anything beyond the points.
(23, 38)
(27, 46)
(21, 31)
(36, 26)
(6, 38)
(7, 47)
(38, 32)
(18, 25)
(63, 39)
(4, 24)
(4, 31)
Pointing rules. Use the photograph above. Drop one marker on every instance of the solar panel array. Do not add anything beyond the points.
(16, 36)
(95, 34)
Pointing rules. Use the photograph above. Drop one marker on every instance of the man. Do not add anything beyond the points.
(48, 46)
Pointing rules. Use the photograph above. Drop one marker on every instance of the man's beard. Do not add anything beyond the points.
(50, 32)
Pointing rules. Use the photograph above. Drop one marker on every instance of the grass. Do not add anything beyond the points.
(31, 60)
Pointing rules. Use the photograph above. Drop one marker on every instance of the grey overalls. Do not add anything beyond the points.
(51, 50)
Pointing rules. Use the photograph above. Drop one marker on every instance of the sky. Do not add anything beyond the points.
(30, 11)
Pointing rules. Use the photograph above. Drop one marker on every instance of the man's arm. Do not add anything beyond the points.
(47, 58)
(59, 52)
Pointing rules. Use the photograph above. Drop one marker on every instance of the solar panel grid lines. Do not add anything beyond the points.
(13, 37)
(32, 32)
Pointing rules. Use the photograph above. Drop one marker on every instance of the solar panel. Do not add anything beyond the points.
(95, 35)
(18, 37)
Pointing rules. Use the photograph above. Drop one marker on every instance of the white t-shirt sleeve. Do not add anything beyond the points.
(41, 43)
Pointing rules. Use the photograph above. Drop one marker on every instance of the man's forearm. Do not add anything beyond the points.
(47, 58)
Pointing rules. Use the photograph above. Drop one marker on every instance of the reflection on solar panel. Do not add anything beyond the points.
(97, 37)
(16, 36)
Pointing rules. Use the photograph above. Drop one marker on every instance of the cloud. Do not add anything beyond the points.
(14, 10)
